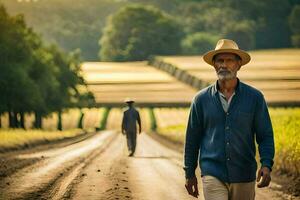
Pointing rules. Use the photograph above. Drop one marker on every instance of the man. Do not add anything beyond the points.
(130, 117)
(225, 120)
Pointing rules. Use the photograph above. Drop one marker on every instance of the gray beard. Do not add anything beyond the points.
(226, 75)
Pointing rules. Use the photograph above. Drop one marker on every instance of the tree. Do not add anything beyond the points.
(243, 33)
(35, 78)
(69, 78)
(207, 16)
(16, 88)
(294, 24)
(135, 32)
(44, 72)
(272, 30)
(199, 43)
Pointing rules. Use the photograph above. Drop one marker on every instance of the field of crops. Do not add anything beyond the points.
(286, 125)
(275, 72)
(111, 83)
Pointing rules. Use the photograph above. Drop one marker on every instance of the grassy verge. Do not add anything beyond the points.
(286, 125)
(175, 133)
(19, 138)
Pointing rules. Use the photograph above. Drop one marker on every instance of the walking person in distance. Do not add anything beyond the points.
(130, 119)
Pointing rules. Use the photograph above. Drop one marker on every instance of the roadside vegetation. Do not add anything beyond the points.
(93, 119)
(20, 139)
(286, 127)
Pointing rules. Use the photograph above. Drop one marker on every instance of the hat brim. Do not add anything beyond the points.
(129, 101)
(208, 57)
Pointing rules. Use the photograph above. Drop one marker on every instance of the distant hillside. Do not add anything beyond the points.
(71, 25)
(78, 24)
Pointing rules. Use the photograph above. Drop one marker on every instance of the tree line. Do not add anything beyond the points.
(254, 24)
(35, 78)
(132, 33)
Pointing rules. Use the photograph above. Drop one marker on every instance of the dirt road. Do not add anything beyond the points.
(99, 168)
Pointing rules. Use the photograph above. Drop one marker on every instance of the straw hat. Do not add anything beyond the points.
(129, 100)
(226, 46)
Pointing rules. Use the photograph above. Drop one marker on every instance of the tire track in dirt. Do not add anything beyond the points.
(39, 181)
(107, 175)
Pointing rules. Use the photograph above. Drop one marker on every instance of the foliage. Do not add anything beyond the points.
(242, 33)
(206, 16)
(296, 40)
(103, 121)
(34, 78)
(198, 43)
(68, 24)
(80, 25)
(272, 30)
(136, 32)
(153, 123)
(295, 25)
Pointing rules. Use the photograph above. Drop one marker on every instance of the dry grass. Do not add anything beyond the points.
(92, 118)
(167, 117)
(14, 138)
(113, 82)
(171, 122)
(114, 119)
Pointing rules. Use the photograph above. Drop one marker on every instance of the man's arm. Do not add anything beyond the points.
(123, 123)
(139, 122)
(265, 140)
(191, 149)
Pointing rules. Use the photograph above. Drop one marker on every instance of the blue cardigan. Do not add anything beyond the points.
(225, 141)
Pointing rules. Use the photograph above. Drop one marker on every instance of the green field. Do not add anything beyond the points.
(286, 126)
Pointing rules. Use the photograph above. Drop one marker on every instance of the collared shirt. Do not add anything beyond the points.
(224, 101)
(225, 141)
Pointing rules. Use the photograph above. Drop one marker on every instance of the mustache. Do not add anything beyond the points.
(222, 70)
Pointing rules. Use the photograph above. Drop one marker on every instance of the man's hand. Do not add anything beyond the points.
(263, 177)
(191, 186)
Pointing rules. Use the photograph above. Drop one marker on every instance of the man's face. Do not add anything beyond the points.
(226, 65)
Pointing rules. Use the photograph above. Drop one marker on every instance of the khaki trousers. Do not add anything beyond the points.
(214, 189)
